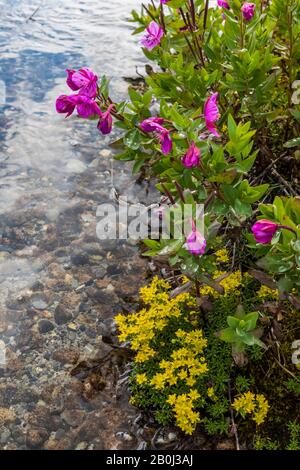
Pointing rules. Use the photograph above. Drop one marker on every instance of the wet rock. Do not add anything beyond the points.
(13, 362)
(105, 153)
(66, 356)
(100, 271)
(58, 444)
(39, 303)
(74, 418)
(79, 259)
(36, 437)
(61, 315)
(226, 444)
(45, 326)
(81, 446)
(75, 166)
(125, 436)
(41, 417)
(4, 436)
(92, 427)
(8, 394)
(60, 434)
(6, 415)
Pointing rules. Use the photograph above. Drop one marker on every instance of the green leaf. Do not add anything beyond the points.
(172, 247)
(250, 321)
(292, 143)
(228, 335)
(133, 139)
(232, 321)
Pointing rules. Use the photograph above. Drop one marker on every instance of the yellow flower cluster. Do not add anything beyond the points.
(249, 403)
(230, 283)
(222, 255)
(187, 363)
(265, 291)
(184, 279)
(211, 394)
(186, 418)
(141, 327)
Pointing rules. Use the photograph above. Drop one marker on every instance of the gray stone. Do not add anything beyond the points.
(45, 326)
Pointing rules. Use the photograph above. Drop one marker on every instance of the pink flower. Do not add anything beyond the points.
(196, 243)
(211, 114)
(248, 10)
(166, 142)
(84, 80)
(192, 157)
(153, 36)
(264, 231)
(223, 4)
(105, 121)
(155, 124)
(85, 106)
(66, 104)
(164, 1)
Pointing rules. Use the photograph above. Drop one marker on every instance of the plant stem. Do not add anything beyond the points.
(290, 229)
(242, 26)
(205, 16)
(180, 191)
(172, 200)
(162, 18)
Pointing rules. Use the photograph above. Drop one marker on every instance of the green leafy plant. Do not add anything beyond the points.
(281, 256)
(242, 331)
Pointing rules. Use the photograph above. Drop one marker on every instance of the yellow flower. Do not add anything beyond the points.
(186, 418)
(182, 374)
(194, 395)
(265, 291)
(171, 399)
(184, 279)
(230, 283)
(261, 410)
(249, 403)
(141, 379)
(224, 128)
(190, 381)
(211, 393)
(222, 255)
(158, 381)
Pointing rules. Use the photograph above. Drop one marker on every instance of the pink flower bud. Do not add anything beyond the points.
(248, 10)
(264, 230)
(223, 4)
(211, 114)
(192, 157)
(195, 242)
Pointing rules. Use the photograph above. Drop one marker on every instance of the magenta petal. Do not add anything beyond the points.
(153, 124)
(152, 38)
(87, 107)
(84, 80)
(192, 157)
(248, 10)
(66, 104)
(223, 4)
(105, 124)
(211, 127)
(196, 243)
(264, 230)
(166, 143)
(70, 82)
(211, 114)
